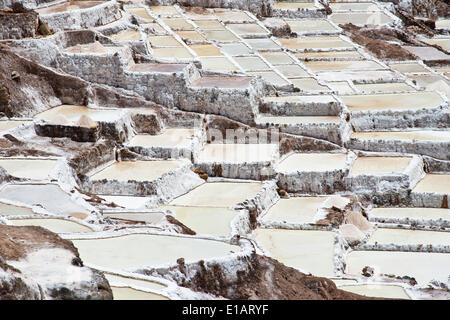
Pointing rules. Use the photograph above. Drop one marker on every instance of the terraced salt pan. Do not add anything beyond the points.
(292, 71)
(245, 29)
(443, 24)
(384, 87)
(408, 67)
(313, 162)
(49, 196)
(178, 24)
(413, 237)
(432, 82)
(235, 152)
(397, 101)
(69, 6)
(136, 170)
(73, 113)
(120, 281)
(231, 15)
(361, 18)
(436, 183)
(136, 217)
(299, 120)
(342, 87)
(217, 64)
(129, 202)
(251, 63)
(220, 35)
(219, 194)
(140, 12)
(422, 135)
(158, 67)
(379, 165)
(377, 290)
(124, 293)
(205, 220)
(277, 57)
(11, 124)
(209, 25)
(139, 250)
(165, 11)
(270, 76)
(328, 54)
(309, 84)
(206, 50)
(354, 6)
(441, 42)
(163, 41)
(190, 35)
(293, 5)
(412, 213)
(305, 25)
(262, 44)
(423, 266)
(314, 43)
(34, 169)
(222, 82)
(235, 49)
(128, 35)
(12, 210)
(294, 210)
(54, 225)
(169, 138)
(172, 53)
(343, 65)
(309, 251)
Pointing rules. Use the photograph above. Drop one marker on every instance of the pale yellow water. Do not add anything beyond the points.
(384, 87)
(219, 194)
(414, 237)
(277, 58)
(138, 250)
(34, 169)
(54, 225)
(205, 220)
(132, 282)
(378, 291)
(399, 101)
(377, 165)
(140, 12)
(217, 64)
(136, 170)
(310, 251)
(315, 42)
(414, 213)
(438, 183)
(343, 65)
(270, 76)
(12, 210)
(303, 25)
(237, 153)
(294, 210)
(423, 266)
(313, 162)
(423, 135)
(124, 293)
(11, 124)
(169, 138)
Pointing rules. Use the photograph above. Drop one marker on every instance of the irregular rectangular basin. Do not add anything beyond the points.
(219, 194)
(308, 251)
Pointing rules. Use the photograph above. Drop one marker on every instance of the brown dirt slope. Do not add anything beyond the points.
(375, 40)
(16, 242)
(268, 279)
